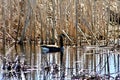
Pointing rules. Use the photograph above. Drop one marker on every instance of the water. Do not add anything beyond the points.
(78, 61)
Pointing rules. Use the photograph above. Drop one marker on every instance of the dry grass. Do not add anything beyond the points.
(39, 17)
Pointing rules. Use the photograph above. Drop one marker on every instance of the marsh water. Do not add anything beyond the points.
(100, 61)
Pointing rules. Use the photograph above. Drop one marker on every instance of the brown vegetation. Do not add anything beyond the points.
(44, 20)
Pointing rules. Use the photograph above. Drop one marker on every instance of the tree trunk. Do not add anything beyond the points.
(26, 24)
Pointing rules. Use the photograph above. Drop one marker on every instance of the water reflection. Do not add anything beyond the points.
(96, 63)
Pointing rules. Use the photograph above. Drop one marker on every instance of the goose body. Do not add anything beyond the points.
(51, 49)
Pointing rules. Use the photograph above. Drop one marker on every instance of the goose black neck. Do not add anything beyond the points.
(61, 41)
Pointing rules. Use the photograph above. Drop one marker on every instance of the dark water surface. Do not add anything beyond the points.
(78, 61)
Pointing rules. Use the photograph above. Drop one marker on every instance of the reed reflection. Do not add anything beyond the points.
(29, 63)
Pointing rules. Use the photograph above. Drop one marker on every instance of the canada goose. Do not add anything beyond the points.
(45, 49)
